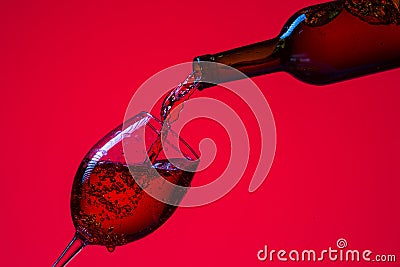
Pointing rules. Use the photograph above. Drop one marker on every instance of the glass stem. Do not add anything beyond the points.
(73, 248)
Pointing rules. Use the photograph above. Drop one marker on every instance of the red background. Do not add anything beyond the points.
(68, 70)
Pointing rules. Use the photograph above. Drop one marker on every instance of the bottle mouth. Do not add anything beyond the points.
(204, 71)
(199, 66)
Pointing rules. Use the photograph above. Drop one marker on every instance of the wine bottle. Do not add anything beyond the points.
(319, 45)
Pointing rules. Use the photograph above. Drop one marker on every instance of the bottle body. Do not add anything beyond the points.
(319, 45)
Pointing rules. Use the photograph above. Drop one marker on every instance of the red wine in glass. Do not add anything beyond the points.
(110, 201)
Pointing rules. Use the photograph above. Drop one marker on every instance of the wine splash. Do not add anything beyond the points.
(178, 96)
(171, 107)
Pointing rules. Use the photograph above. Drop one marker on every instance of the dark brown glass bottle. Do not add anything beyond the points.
(319, 45)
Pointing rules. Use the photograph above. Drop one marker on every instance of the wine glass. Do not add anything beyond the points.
(119, 195)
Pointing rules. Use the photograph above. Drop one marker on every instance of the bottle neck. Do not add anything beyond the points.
(252, 60)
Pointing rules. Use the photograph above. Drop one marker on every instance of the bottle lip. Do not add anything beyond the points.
(198, 66)
(207, 57)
